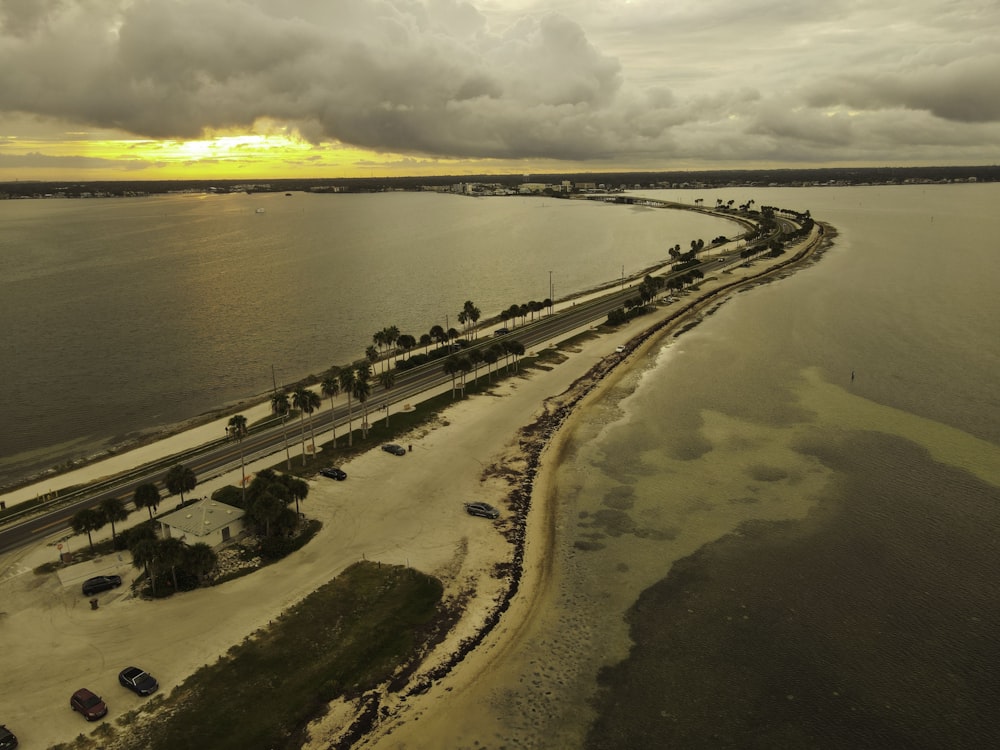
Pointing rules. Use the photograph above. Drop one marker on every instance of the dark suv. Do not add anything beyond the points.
(89, 704)
(7, 739)
(100, 583)
(396, 450)
(483, 510)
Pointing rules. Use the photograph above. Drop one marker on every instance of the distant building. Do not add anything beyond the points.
(208, 521)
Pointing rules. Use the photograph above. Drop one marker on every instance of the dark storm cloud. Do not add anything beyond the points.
(963, 91)
(518, 79)
(394, 76)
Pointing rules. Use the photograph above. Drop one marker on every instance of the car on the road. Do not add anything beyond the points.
(484, 510)
(620, 349)
(394, 449)
(7, 739)
(97, 584)
(334, 473)
(89, 704)
(138, 681)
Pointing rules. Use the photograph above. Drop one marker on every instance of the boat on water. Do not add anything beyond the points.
(260, 210)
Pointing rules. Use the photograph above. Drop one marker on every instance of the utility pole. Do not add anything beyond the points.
(552, 302)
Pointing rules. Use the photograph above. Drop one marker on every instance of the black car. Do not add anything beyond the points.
(484, 510)
(138, 681)
(334, 473)
(7, 739)
(396, 450)
(101, 583)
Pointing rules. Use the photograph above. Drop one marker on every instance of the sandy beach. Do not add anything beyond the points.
(404, 510)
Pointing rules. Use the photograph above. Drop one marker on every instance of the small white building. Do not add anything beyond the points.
(208, 521)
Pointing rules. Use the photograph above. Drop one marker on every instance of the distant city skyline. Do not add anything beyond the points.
(187, 89)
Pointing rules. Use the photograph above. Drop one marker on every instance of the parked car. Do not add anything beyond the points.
(138, 681)
(396, 450)
(334, 473)
(484, 510)
(100, 583)
(7, 739)
(88, 704)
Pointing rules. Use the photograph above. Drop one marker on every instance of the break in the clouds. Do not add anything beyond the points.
(654, 82)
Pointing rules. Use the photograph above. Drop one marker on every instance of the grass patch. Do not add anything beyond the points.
(342, 640)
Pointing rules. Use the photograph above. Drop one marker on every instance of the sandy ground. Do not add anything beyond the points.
(399, 510)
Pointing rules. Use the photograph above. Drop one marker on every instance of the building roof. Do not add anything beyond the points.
(204, 518)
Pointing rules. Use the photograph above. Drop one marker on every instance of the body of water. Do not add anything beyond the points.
(779, 531)
(124, 316)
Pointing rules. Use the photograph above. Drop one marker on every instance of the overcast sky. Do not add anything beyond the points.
(501, 85)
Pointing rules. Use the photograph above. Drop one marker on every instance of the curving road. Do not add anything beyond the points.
(221, 456)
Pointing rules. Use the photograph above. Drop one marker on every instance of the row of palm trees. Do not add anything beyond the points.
(389, 340)
(355, 382)
(178, 480)
(469, 360)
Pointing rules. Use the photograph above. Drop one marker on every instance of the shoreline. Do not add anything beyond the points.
(119, 453)
(497, 572)
(382, 722)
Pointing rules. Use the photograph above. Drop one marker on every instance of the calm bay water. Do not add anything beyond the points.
(758, 549)
(124, 316)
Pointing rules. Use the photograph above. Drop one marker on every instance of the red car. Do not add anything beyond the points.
(88, 704)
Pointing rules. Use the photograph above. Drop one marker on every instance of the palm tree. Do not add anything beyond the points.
(315, 402)
(438, 335)
(265, 510)
(388, 380)
(471, 315)
(391, 337)
(372, 354)
(180, 479)
(517, 349)
(464, 365)
(147, 496)
(87, 520)
(237, 428)
(297, 489)
(362, 390)
(347, 378)
(475, 356)
(379, 340)
(451, 368)
(113, 510)
(490, 357)
(280, 406)
(171, 553)
(406, 342)
(146, 556)
(200, 560)
(305, 401)
(330, 388)
(425, 341)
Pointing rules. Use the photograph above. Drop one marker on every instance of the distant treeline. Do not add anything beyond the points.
(702, 179)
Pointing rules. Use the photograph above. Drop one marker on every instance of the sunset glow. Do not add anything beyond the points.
(407, 88)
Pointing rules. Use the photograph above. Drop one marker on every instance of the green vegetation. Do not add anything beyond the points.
(342, 640)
